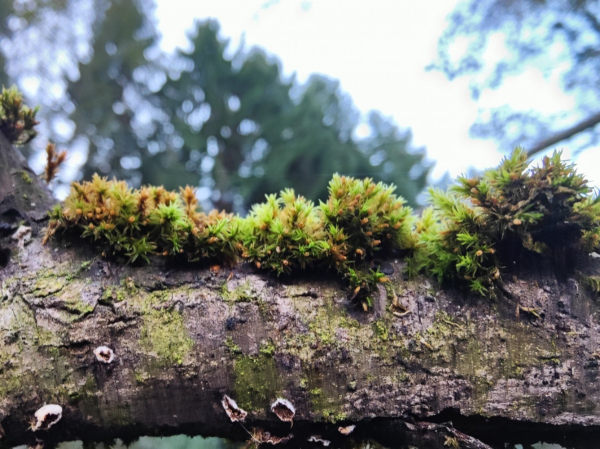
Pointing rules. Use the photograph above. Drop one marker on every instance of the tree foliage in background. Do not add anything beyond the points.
(558, 37)
(231, 125)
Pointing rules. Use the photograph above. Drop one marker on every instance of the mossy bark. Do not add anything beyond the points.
(185, 336)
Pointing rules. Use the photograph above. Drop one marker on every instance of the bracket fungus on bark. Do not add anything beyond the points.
(284, 410)
(233, 411)
(346, 430)
(46, 417)
(104, 354)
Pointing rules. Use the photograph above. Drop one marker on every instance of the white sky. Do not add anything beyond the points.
(378, 49)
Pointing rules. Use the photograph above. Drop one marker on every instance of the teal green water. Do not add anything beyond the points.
(174, 442)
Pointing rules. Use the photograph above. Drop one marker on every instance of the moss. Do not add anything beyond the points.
(26, 178)
(17, 121)
(381, 330)
(232, 347)
(473, 228)
(592, 283)
(241, 293)
(267, 349)
(257, 381)
(140, 376)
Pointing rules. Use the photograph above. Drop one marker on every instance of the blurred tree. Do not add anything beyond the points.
(558, 37)
(248, 132)
(112, 113)
(231, 125)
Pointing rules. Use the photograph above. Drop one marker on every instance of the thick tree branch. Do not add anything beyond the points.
(566, 134)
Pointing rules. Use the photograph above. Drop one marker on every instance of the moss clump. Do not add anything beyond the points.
(137, 223)
(543, 209)
(360, 219)
(369, 215)
(17, 121)
(283, 233)
(381, 330)
(26, 178)
(232, 347)
(267, 349)
(466, 234)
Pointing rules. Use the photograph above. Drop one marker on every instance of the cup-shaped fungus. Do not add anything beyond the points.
(104, 354)
(47, 416)
(233, 411)
(284, 410)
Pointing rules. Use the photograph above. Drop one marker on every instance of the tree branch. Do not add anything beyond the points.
(566, 134)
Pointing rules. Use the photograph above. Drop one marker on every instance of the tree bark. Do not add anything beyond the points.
(184, 336)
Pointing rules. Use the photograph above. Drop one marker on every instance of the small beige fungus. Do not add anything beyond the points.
(22, 235)
(104, 354)
(284, 410)
(47, 416)
(233, 411)
(346, 430)
(318, 439)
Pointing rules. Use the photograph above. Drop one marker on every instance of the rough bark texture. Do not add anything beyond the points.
(184, 336)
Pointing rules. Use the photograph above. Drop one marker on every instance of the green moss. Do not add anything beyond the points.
(26, 178)
(381, 330)
(241, 293)
(257, 382)
(141, 376)
(17, 121)
(464, 235)
(267, 349)
(592, 283)
(232, 347)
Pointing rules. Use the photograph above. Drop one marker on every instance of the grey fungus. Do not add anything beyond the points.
(318, 439)
(46, 417)
(234, 412)
(104, 354)
(284, 410)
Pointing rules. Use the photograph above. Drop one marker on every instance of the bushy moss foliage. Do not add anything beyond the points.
(284, 233)
(151, 220)
(359, 219)
(544, 209)
(371, 216)
(462, 236)
(17, 121)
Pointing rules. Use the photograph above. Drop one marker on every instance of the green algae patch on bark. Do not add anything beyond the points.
(257, 382)
(163, 333)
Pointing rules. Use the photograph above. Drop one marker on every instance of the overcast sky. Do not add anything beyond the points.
(378, 49)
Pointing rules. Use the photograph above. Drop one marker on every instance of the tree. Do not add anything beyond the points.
(182, 338)
(248, 132)
(233, 127)
(557, 37)
(112, 112)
